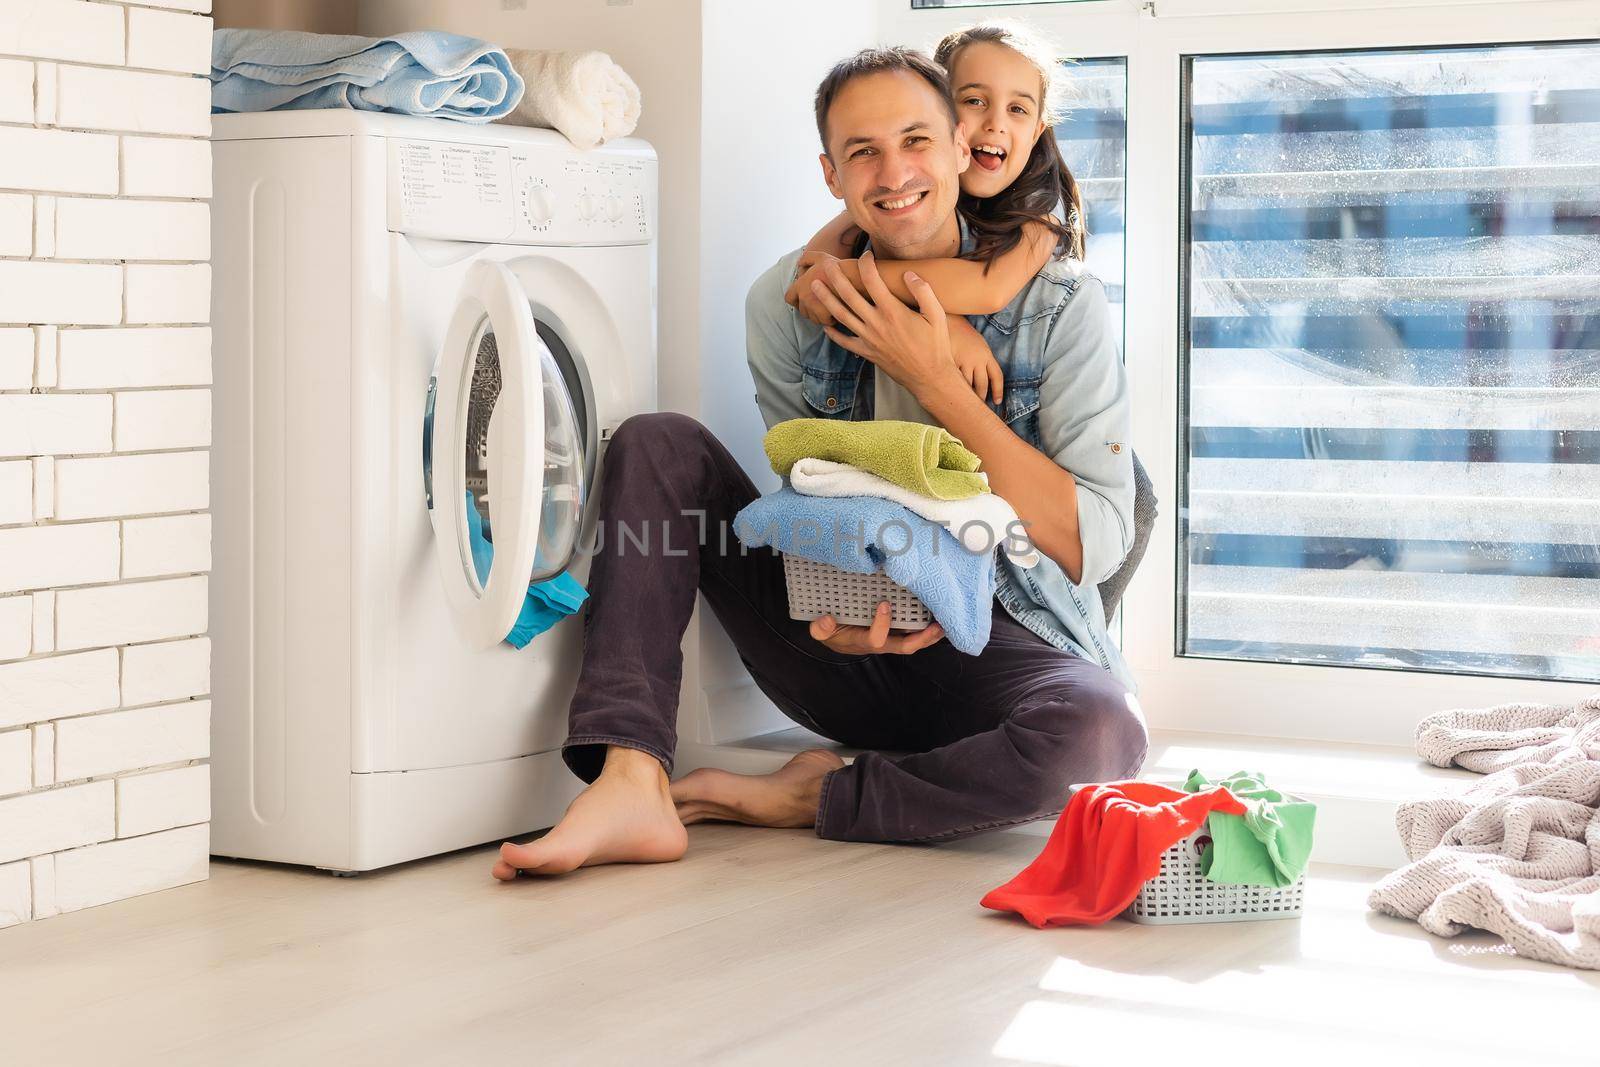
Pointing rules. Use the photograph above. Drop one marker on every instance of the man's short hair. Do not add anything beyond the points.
(881, 61)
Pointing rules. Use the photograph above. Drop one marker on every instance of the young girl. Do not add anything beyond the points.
(1014, 194)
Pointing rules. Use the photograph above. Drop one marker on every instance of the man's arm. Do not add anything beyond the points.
(776, 336)
(1077, 495)
(1076, 491)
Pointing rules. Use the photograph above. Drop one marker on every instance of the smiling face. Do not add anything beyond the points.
(999, 97)
(895, 160)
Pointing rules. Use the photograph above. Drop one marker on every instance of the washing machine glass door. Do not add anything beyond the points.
(506, 462)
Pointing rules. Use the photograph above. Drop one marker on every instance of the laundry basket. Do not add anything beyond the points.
(1181, 894)
(817, 589)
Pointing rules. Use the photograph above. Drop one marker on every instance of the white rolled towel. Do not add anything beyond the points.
(584, 95)
(979, 522)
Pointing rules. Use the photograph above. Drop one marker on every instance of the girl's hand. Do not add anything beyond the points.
(974, 360)
(799, 294)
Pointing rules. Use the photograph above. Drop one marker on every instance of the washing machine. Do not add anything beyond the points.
(416, 323)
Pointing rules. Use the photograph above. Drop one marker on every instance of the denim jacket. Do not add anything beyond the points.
(1065, 394)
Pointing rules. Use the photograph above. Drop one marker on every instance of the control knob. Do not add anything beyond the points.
(536, 199)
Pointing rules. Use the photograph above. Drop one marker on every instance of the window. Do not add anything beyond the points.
(1391, 360)
(1094, 142)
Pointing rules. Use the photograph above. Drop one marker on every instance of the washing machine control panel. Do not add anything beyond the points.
(520, 194)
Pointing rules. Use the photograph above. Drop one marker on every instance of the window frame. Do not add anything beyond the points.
(1331, 703)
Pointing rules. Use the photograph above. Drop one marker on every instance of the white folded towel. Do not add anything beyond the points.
(979, 522)
(584, 95)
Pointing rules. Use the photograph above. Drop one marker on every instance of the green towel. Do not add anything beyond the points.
(923, 459)
(1268, 845)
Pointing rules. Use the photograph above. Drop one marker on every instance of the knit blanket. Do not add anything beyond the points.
(1518, 854)
(923, 459)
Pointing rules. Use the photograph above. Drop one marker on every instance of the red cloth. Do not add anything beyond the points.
(1104, 847)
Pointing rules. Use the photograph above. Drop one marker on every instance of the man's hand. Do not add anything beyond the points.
(799, 294)
(912, 347)
(869, 640)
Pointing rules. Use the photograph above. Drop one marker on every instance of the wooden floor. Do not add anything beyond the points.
(760, 947)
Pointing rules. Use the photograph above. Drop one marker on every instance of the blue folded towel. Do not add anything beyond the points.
(546, 604)
(867, 534)
(423, 73)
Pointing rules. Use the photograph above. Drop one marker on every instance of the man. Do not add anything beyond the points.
(987, 741)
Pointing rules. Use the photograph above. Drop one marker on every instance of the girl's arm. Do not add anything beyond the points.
(962, 286)
(837, 238)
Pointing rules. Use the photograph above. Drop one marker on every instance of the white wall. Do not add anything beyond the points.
(761, 187)
(761, 195)
(105, 422)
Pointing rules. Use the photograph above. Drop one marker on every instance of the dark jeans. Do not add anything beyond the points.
(979, 742)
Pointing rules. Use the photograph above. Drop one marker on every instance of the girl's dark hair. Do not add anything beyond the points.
(996, 223)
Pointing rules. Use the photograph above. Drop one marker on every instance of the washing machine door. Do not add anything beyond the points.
(506, 458)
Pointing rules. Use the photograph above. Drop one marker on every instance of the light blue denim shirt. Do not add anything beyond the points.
(1066, 394)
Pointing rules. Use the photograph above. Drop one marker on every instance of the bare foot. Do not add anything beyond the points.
(625, 816)
(786, 797)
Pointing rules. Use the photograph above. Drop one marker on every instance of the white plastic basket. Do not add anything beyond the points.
(1181, 894)
(817, 589)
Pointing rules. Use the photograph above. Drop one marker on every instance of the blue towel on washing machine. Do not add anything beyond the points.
(421, 73)
(546, 604)
(866, 534)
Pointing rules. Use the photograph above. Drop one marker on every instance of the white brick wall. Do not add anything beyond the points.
(96, 486)
(51, 687)
(148, 803)
(150, 420)
(168, 294)
(86, 877)
(57, 160)
(62, 29)
(16, 626)
(16, 91)
(170, 670)
(166, 166)
(16, 762)
(93, 745)
(109, 359)
(170, 544)
(168, 40)
(54, 819)
(131, 613)
(131, 229)
(105, 423)
(16, 358)
(15, 894)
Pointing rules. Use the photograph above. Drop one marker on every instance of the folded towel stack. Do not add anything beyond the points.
(861, 497)
(923, 459)
(423, 73)
(979, 522)
(865, 535)
(584, 95)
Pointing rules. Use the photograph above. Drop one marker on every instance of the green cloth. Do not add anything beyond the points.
(923, 459)
(1269, 845)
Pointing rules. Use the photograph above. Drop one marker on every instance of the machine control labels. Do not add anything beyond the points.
(456, 190)
(517, 194)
